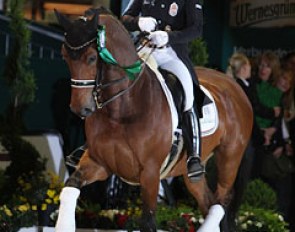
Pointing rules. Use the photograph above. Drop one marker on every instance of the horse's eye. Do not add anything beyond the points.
(91, 59)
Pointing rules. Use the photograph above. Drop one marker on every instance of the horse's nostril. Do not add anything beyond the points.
(86, 112)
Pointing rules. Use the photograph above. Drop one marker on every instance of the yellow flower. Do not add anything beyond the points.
(51, 193)
(23, 199)
(7, 211)
(56, 199)
(34, 207)
(48, 201)
(23, 208)
(43, 207)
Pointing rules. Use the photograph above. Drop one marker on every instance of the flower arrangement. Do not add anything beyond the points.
(257, 213)
(14, 217)
(252, 219)
(182, 219)
(29, 203)
(35, 197)
(39, 191)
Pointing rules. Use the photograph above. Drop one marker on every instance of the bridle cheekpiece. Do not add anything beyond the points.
(131, 71)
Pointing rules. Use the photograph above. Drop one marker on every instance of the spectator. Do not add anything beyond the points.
(284, 84)
(273, 86)
(240, 69)
(288, 63)
(280, 146)
(266, 71)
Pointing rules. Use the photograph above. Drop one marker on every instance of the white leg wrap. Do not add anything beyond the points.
(211, 223)
(66, 216)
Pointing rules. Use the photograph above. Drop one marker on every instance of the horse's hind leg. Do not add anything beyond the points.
(228, 160)
(201, 193)
(210, 209)
(149, 181)
(86, 173)
(230, 185)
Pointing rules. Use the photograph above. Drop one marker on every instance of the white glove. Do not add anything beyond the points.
(159, 38)
(147, 24)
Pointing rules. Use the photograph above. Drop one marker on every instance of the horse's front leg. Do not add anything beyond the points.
(68, 200)
(149, 181)
(86, 173)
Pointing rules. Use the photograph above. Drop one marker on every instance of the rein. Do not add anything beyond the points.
(132, 71)
(100, 87)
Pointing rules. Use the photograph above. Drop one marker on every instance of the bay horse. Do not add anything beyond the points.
(128, 123)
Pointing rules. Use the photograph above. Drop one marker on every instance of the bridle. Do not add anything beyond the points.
(133, 72)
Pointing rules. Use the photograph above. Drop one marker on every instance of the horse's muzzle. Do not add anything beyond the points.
(84, 112)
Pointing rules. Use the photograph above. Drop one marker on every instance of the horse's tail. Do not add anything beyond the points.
(243, 176)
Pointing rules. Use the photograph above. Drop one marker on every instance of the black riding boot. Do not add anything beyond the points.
(192, 136)
(73, 159)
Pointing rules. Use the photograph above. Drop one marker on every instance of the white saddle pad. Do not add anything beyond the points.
(209, 122)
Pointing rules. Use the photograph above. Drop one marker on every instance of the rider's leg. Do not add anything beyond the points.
(191, 123)
(192, 136)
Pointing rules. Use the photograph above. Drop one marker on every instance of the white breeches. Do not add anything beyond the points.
(166, 58)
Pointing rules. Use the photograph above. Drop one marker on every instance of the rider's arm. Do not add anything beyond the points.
(131, 15)
(194, 24)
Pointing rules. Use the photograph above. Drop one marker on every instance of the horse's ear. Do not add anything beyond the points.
(94, 20)
(62, 20)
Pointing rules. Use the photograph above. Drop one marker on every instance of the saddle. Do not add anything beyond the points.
(177, 91)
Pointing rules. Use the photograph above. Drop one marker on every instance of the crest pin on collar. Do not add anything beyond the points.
(83, 18)
(173, 9)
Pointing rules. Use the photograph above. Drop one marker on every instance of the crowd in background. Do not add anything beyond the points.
(269, 84)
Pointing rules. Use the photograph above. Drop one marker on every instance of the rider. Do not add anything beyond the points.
(171, 25)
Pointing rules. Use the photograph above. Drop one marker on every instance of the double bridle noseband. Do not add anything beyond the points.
(134, 71)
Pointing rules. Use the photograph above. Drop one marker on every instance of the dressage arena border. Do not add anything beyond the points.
(52, 229)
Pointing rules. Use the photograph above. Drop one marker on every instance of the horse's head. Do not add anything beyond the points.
(96, 55)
